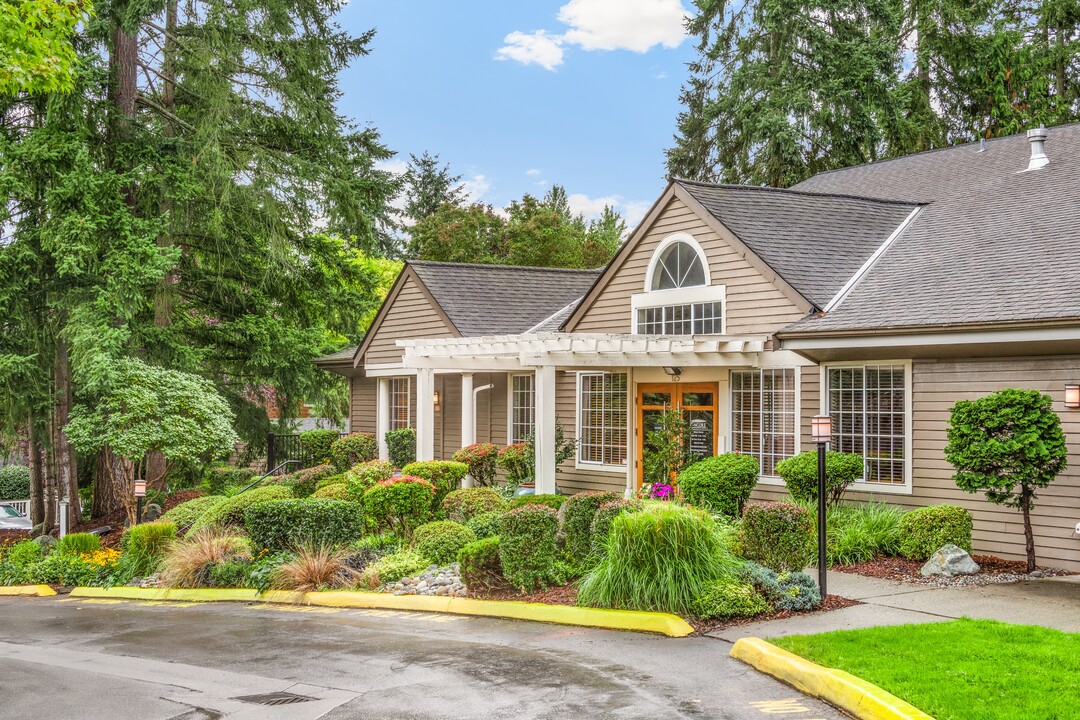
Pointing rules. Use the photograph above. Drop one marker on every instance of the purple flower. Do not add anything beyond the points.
(661, 491)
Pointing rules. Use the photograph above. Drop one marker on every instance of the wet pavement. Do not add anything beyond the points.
(64, 658)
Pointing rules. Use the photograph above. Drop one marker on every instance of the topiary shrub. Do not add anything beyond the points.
(441, 540)
(578, 518)
(720, 484)
(78, 544)
(925, 530)
(400, 503)
(353, 449)
(800, 474)
(401, 446)
(778, 535)
(481, 459)
(14, 482)
(605, 515)
(145, 546)
(465, 504)
(361, 478)
(445, 475)
(481, 568)
(527, 546)
(333, 492)
(231, 512)
(303, 482)
(188, 512)
(730, 598)
(293, 523)
(552, 501)
(660, 558)
(337, 479)
(517, 462)
(485, 525)
(316, 444)
(219, 478)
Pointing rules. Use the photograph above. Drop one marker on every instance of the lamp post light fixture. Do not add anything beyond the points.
(140, 495)
(1072, 396)
(821, 433)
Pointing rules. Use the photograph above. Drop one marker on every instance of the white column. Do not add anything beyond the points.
(544, 385)
(382, 416)
(468, 418)
(425, 414)
(631, 430)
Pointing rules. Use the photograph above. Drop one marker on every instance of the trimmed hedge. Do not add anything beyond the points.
(400, 503)
(481, 568)
(485, 525)
(361, 478)
(303, 482)
(445, 475)
(353, 449)
(338, 491)
(441, 540)
(481, 459)
(219, 478)
(465, 504)
(286, 524)
(527, 546)
(720, 484)
(188, 512)
(317, 443)
(401, 446)
(577, 520)
(778, 535)
(231, 512)
(605, 515)
(14, 482)
(800, 474)
(552, 501)
(728, 598)
(924, 531)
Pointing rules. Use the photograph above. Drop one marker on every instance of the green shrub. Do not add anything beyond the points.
(481, 568)
(527, 546)
(316, 443)
(605, 515)
(859, 533)
(578, 518)
(188, 512)
(660, 558)
(382, 544)
(76, 543)
(292, 523)
(14, 482)
(145, 546)
(231, 512)
(441, 540)
(463, 505)
(400, 503)
(391, 568)
(230, 574)
(361, 478)
(338, 479)
(446, 476)
(485, 525)
(333, 492)
(720, 484)
(481, 459)
(798, 591)
(220, 478)
(925, 530)
(729, 598)
(17, 562)
(401, 446)
(303, 482)
(353, 449)
(800, 474)
(552, 501)
(778, 535)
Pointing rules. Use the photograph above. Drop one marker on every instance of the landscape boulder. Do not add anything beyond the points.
(949, 561)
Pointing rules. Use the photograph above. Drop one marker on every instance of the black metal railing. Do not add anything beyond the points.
(288, 448)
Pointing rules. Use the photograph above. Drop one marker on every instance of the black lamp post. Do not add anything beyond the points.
(821, 433)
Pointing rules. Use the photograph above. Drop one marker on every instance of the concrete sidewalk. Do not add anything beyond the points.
(1050, 602)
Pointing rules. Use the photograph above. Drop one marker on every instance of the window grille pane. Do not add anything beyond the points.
(523, 408)
(603, 419)
(763, 420)
(687, 319)
(867, 405)
(400, 403)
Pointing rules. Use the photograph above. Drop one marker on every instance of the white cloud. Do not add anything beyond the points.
(536, 48)
(532, 172)
(635, 25)
(398, 167)
(633, 211)
(591, 208)
(475, 187)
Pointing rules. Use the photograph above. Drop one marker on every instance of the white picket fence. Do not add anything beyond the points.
(22, 506)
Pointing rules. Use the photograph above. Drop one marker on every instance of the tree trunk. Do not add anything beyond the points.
(67, 480)
(106, 484)
(37, 475)
(1029, 536)
(49, 484)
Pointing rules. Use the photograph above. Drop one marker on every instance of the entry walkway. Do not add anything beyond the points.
(1050, 602)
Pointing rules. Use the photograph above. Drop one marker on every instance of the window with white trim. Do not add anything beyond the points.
(867, 405)
(687, 319)
(678, 266)
(764, 422)
(522, 408)
(678, 297)
(602, 419)
(400, 403)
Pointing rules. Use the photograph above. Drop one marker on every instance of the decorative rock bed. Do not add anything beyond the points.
(434, 581)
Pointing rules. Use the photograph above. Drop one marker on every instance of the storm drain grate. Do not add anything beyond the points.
(275, 698)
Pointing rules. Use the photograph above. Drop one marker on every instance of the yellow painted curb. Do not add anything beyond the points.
(847, 692)
(27, 591)
(653, 622)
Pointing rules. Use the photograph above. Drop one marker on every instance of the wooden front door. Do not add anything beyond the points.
(698, 402)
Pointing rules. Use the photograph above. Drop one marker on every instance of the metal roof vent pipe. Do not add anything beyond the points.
(1037, 138)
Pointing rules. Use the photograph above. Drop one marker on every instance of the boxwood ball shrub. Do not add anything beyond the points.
(445, 475)
(778, 535)
(441, 540)
(550, 500)
(355, 448)
(400, 503)
(231, 512)
(14, 482)
(729, 598)
(925, 530)
(578, 515)
(316, 443)
(361, 478)
(465, 504)
(485, 525)
(662, 557)
(800, 474)
(720, 484)
(401, 446)
(188, 512)
(480, 566)
(292, 523)
(333, 492)
(481, 459)
(527, 546)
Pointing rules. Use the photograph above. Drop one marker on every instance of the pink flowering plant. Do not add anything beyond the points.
(481, 459)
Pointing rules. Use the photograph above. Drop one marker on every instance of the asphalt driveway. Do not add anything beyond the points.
(72, 658)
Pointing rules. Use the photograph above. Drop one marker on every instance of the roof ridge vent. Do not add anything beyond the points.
(1037, 138)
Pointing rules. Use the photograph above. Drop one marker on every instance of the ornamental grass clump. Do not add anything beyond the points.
(924, 531)
(720, 484)
(353, 449)
(660, 558)
(465, 504)
(441, 540)
(527, 546)
(778, 535)
(188, 563)
(78, 543)
(577, 519)
(400, 503)
(146, 545)
(315, 567)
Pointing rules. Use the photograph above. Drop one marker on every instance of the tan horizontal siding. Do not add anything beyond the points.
(363, 397)
(410, 316)
(569, 479)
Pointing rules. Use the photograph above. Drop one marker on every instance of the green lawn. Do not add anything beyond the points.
(960, 670)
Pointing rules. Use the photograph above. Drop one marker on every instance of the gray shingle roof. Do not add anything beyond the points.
(814, 241)
(501, 299)
(991, 246)
(343, 355)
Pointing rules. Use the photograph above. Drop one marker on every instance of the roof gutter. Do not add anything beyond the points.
(942, 336)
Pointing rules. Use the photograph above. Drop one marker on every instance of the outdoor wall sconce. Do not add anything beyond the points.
(821, 428)
(1072, 397)
(673, 371)
(436, 399)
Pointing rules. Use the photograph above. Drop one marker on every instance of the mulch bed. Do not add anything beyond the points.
(114, 519)
(561, 595)
(181, 496)
(994, 570)
(831, 602)
(10, 537)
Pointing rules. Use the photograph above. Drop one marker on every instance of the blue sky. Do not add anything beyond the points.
(519, 95)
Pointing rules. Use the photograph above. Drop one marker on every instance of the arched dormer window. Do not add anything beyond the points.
(679, 297)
